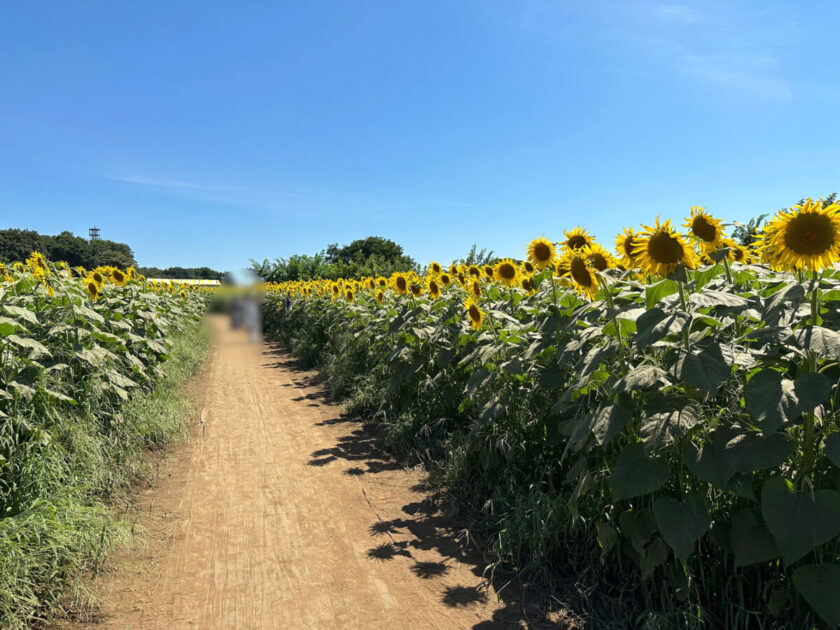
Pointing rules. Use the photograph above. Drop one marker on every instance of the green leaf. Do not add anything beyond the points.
(714, 462)
(799, 521)
(639, 526)
(682, 523)
(36, 348)
(609, 421)
(656, 553)
(812, 389)
(706, 370)
(661, 429)
(831, 448)
(751, 540)
(655, 292)
(709, 298)
(642, 377)
(823, 341)
(636, 474)
(656, 324)
(771, 399)
(9, 326)
(607, 537)
(23, 313)
(819, 584)
(760, 452)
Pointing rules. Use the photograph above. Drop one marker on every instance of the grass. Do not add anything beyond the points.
(65, 523)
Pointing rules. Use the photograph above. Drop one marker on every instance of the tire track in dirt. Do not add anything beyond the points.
(283, 513)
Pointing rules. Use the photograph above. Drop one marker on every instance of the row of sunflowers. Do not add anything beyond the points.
(663, 421)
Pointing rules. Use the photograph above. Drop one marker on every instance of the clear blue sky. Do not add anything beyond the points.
(208, 133)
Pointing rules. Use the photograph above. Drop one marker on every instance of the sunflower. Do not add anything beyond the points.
(575, 239)
(507, 273)
(806, 236)
(474, 271)
(131, 273)
(380, 296)
(660, 249)
(118, 277)
(489, 271)
(705, 229)
(581, 273)
(445, 279)
(599, 257)
(36, 262)
(526, 283)
(433, 288)
(371, 282)
(381, 282)
(741, 254)
(435, 268)
(541, 253)
(416, 289)
(399, 283)
(183, 294)
(475, 314)
(528, 267)
(97, 277)
(624, 244)
(475, 289)
(92, 288)
(349, 295)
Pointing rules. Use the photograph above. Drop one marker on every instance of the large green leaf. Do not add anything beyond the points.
(23, 313)
(717, 461)
(642, 377)
(751, 541)
(36, 348)
(771, 399)
(655, 292)
(706, 370)
(812, 389)
(635, 473)
(760, 452)
(823, 341)
(656, 324)
(819, 584)
(661, 429)
(798, 520)
(609, 421)
(682, 523)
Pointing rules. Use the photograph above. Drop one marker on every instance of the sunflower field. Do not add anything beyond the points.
(83, 393)
(659, 428)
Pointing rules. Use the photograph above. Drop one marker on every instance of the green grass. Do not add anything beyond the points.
(65, 523)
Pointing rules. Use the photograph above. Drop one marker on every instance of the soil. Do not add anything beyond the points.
(283, 512)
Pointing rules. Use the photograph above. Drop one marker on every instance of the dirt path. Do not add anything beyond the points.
(283, 513)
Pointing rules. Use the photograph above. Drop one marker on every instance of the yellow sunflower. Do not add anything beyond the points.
(399, 283)
(118, 277)
(804, 237)
(445, 279)
(581, 273)
(92, 289)
(575, 239)
(660, 249)
(706, 230)
(474, 313)
(528, 267)
(541, 253)
(37, 262)
(435, 268)
(526, 283)
(97, 277)
(489, 272)
(474, 271)
(475, 289)
(599, 257)
(349, 295)
(381, 282)
(507, 273)
(624, 244)
(416, 289)
(433, 288)
(380, 296)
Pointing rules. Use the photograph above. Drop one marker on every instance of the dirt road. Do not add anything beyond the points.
(283, 513)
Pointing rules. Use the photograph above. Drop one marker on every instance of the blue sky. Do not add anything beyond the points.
(209, 133)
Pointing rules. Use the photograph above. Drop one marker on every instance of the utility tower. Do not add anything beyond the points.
(93, 233)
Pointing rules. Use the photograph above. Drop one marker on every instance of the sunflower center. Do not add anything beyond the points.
(542, 252)
(580, 273)
(810, 234)
(738, 254)
(704, 230)
(629, 244)
(665, 249)
(474, 313)
(598, 261)
(577, 241)
(401, 284)
(507, 271)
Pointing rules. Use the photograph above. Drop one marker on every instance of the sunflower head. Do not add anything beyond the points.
(475, 289)
(435, 268)
(92, 289)
(575, 239)
(37, 263)
(705, 229)
(624, 245)
(474, 313)
(349, 295)
(445, 279)
(528, 267)
(599, 257)
(474, 271)
(805, 237)
(118, 277)
(433, 288)
(660, 249)
(507, 272)
(399, 283)
(380, 296)
(527, 284)
(580, 272)
(381, 282)
(97, 277)
(416, 289)
(489, 271)
(183, 294)
(541, 253)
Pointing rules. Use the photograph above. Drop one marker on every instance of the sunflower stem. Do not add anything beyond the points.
(728, 270)
(684, 304)
(553, 286)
